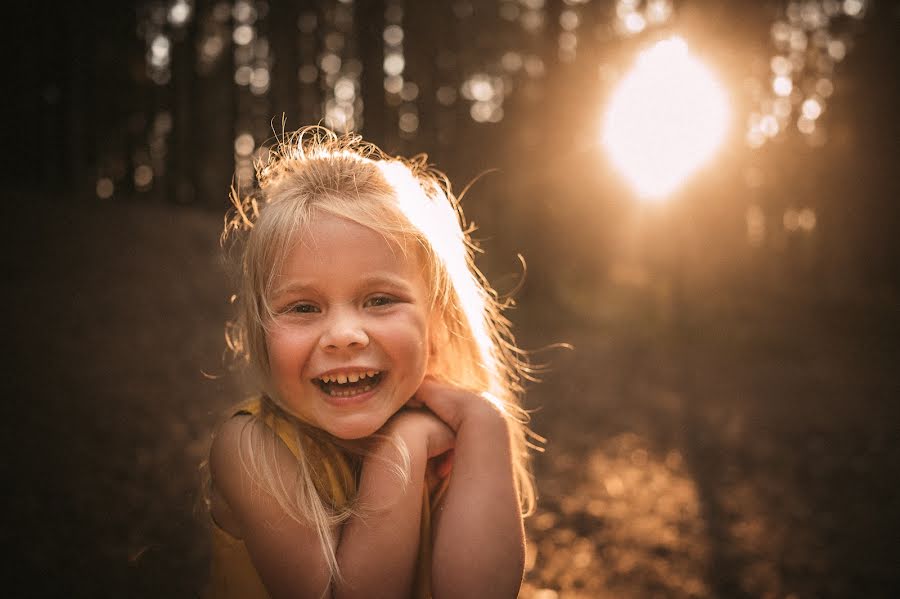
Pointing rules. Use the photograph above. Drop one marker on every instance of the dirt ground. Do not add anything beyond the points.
(746, 449)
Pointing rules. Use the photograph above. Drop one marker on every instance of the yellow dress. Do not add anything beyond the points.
(232, 575)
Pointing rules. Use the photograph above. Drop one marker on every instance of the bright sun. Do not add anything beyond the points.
(665, 120)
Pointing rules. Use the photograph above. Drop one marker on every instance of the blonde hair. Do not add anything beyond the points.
(409, 203)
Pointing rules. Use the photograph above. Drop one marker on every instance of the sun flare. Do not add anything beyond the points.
(666, 119)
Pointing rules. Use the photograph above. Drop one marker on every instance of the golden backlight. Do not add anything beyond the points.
(667, 118)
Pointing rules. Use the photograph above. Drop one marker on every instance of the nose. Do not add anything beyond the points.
(344, 330)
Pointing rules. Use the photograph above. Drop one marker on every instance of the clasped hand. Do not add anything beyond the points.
(431, 420)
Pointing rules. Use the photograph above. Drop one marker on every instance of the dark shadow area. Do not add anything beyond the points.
(117, 313)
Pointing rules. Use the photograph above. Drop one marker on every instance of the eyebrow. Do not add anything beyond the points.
(368, 280)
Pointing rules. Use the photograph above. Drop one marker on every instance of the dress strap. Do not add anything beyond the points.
(333, 474)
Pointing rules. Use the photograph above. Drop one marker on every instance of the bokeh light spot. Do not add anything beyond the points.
(824, 87)
(812, 108)
(837, 49)
(344, 89)
(243, 144)
(243, 35)
(393, 84)
(143, 176)
(446, 95)
(179, 13)
(806, 125)
(105, 188)
(409, 122)
(635, 22)
(791, 220)
(393, 64)
(330, 63)
(782, 85)
(807, 220)
(769, 125)
(781, 65)
(854, 8)
(393, 35)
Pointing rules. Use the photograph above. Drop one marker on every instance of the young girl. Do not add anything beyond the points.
(385, 455)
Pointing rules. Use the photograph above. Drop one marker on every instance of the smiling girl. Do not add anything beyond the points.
(385, 454)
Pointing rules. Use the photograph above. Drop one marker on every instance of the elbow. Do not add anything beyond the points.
(517, 570)
(516, 562)
(520, 565)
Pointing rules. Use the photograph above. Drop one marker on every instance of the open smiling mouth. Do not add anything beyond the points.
(349, 384)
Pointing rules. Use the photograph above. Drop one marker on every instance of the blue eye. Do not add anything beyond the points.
(379, 301)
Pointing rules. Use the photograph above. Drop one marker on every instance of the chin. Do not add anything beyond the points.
(355, 427)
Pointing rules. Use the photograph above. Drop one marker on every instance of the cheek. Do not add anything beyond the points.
(288, 350)
(437, 338)
(407, 341)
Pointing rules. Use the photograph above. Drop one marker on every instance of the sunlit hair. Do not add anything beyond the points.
(314, 171)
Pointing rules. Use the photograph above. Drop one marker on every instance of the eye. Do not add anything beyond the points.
(380, 301)
(303, 308)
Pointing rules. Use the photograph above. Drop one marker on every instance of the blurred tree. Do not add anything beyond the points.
(154, 97)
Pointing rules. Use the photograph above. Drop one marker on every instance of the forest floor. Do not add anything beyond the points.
(733, 449)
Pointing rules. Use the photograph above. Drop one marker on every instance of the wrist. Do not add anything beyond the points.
(484, 416)
(408, 433)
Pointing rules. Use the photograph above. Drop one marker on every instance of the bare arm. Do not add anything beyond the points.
(286, 553)
(375, 556)
(479, 546)
(378, 554)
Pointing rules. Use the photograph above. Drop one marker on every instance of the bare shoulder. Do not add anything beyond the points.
(235, 438)
(247, 461)
(285, 549)
(227, 472)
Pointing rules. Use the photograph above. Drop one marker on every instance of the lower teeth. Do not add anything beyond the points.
(349, 393)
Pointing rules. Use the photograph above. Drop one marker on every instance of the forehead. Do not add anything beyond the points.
(331, 244)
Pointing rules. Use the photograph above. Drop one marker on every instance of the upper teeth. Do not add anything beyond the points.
(345, 377)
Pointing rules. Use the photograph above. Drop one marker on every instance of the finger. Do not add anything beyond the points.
(444, 400)
(433, 392)
(430, 384)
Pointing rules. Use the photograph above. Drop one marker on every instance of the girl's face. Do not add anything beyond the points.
(349, 344)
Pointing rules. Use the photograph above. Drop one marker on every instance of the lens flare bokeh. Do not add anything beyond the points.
(666, 119)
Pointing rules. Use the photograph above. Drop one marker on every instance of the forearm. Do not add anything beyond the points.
(377, 551)
(479, 548)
